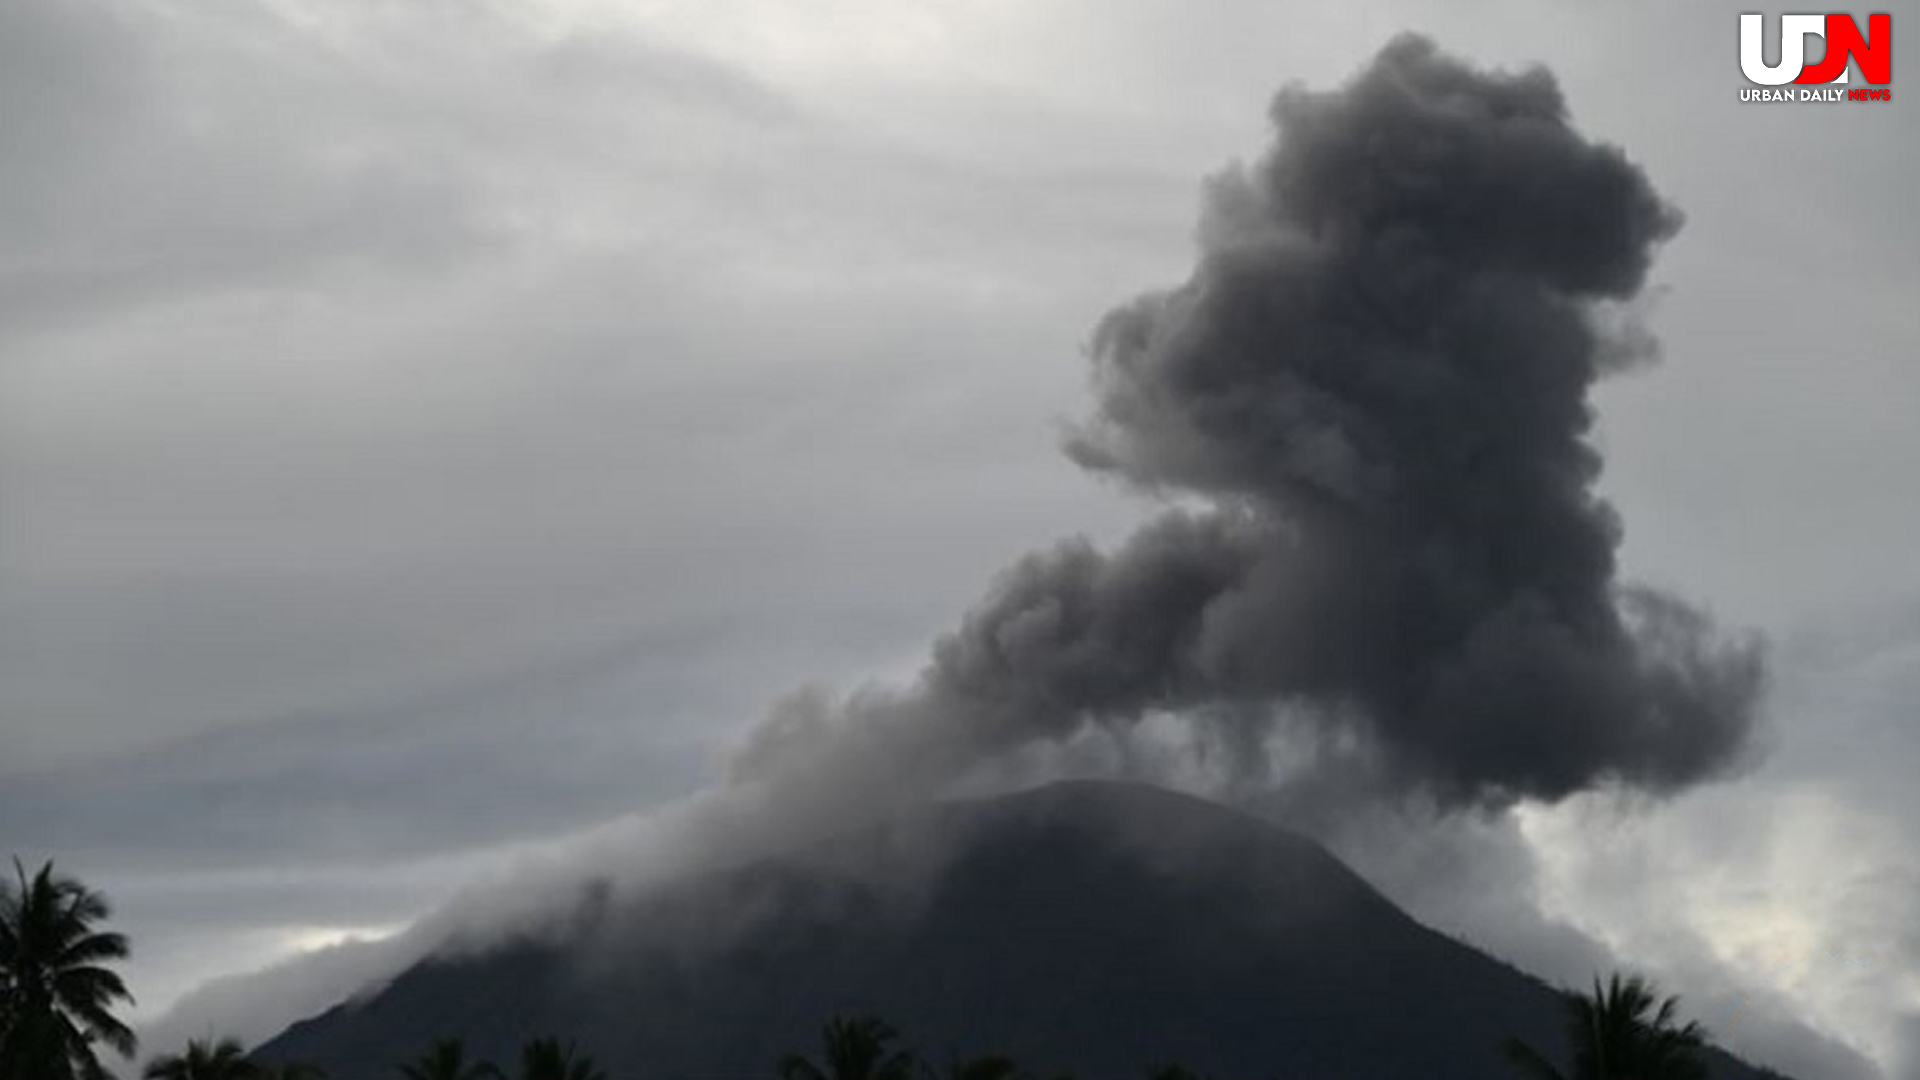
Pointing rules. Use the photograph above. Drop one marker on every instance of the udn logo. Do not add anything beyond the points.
(1872, 51)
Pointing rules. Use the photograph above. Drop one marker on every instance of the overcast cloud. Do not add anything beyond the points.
(432, 431)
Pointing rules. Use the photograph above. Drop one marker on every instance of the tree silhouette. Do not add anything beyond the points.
(853, 1048)
(1622, 1031)
(56, 994)
(546, 1059)
(204, 1060)
(446, 1059)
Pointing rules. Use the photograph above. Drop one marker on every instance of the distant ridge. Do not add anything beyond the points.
(1087, 928)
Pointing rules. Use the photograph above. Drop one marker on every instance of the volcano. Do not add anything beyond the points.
(1087, 929)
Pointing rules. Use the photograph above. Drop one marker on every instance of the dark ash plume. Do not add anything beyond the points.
(1376, 382)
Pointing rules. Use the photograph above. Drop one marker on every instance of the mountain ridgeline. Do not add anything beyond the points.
(1088, 929)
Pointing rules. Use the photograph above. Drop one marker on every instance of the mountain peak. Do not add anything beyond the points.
(1093, 928)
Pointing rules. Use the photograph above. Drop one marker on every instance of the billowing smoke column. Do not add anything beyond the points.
(1376, 384)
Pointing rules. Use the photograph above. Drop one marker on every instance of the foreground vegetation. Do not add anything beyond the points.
(58, 993)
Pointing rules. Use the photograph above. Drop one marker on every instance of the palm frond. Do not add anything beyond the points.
(58, 993)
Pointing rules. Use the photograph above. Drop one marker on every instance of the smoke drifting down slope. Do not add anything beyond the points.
(1375, 384)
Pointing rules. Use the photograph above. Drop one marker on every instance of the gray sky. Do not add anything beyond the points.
(431, 431)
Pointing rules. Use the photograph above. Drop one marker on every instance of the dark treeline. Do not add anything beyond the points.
(58, 992)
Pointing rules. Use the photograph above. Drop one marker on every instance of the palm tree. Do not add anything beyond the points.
(446, 1059)
(853, 1048)
(56, 994)
(204, 1060)
(1622, 1031)
(546, 1059)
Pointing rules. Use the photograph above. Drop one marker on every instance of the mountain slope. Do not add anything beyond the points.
(1095, 929)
